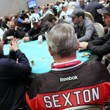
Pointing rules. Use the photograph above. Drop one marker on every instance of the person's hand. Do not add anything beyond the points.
(14, 45)
(25, 39)
(26, 20)
(16, 27)
(40, 39)
(83, 45)
(45, 35)
(10, 37)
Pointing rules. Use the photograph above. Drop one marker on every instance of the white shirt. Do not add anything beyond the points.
(1, 33)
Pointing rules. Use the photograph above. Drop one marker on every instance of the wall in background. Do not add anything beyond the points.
(8, 7)
(12, 6)
(44, 2)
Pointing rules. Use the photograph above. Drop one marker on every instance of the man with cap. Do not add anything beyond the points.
(100, 46)
(84, 27)
(32, 16)
(39, 28)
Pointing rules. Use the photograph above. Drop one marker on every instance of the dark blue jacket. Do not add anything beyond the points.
(12, 80)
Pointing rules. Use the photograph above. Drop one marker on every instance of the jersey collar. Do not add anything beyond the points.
(69, 64)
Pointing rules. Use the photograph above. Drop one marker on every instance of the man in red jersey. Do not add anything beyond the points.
(69, 83)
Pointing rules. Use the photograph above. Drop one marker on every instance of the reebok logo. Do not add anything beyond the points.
(69, 78)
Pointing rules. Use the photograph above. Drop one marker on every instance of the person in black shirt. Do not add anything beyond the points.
(92, 8)
(13, 32)
(39, 28)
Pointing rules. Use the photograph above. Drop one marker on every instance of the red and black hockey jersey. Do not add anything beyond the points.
(68, 86)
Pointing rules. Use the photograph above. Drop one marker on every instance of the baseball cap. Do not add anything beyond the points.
(65, 4)
(35, 19)
(104, 10)
(77, 12)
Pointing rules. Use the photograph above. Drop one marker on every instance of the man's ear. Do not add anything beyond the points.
(80, 18)
(50, 51)
(54, 22)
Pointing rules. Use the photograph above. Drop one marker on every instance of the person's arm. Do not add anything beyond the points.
(100, 49)
(18, 67)
(7, 36)
(35, 37)
(31, 32)
(89, 29)
(98, 46)
(20, 20)
(19, 34)
(42, 31)
(100, 40)
(31, 38)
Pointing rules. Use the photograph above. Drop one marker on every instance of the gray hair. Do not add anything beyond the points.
(62, 40)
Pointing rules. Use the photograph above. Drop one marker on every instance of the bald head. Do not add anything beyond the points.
(12, 25)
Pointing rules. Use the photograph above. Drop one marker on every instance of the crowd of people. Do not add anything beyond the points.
(66, 29)
(29, 24)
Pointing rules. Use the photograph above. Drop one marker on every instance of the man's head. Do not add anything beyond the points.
(64, 7)
(81, 2)
(45, 9)
(77, 16)
(106, 14)
(50, 20)
(12, 25)
(62, 41)
(35, 22)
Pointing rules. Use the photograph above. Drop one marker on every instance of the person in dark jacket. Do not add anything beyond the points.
(39, 28)
(13, 32)
(100, 46)
(14, 69)
(92, 8)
